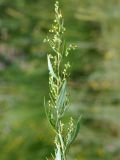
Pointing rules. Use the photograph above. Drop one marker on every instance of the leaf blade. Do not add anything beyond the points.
(50, 67)
(58, 154)
(74, 133)
(62, 96)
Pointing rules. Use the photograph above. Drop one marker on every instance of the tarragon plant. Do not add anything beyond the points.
(58, 74)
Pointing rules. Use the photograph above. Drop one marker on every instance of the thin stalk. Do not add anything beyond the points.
(57, 83)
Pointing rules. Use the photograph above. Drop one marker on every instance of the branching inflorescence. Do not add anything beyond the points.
(58, 74)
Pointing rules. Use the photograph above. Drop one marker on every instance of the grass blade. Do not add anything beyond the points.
(50, 67)
(62, 97)
(74, 133)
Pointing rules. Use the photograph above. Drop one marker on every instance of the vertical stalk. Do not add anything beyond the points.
(57, 82)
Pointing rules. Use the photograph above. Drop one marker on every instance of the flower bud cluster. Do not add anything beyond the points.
(69, 48)
(65, 70)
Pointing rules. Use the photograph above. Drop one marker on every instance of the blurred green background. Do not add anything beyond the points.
(94, 25)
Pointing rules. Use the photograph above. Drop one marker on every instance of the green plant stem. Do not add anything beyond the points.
(57, 83)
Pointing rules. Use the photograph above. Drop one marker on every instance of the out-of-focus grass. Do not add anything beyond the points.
(94, 85)
(25, 133)
(22, 114)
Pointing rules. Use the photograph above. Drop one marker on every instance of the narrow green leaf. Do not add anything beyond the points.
(64, 48)
(76, 129)
(58, 154)
(62, 97)
(50, 120)
(50, 67)
(74, 133)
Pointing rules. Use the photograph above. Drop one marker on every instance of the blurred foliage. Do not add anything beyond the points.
(94, 85)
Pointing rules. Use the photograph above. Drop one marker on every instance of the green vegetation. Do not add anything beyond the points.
(94, 84)
(59, 100)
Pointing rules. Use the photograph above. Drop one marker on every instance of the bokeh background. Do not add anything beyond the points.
(94, 25)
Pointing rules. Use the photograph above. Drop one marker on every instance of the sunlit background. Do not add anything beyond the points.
(94, 25)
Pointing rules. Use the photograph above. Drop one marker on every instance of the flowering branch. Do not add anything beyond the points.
(58, 74)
